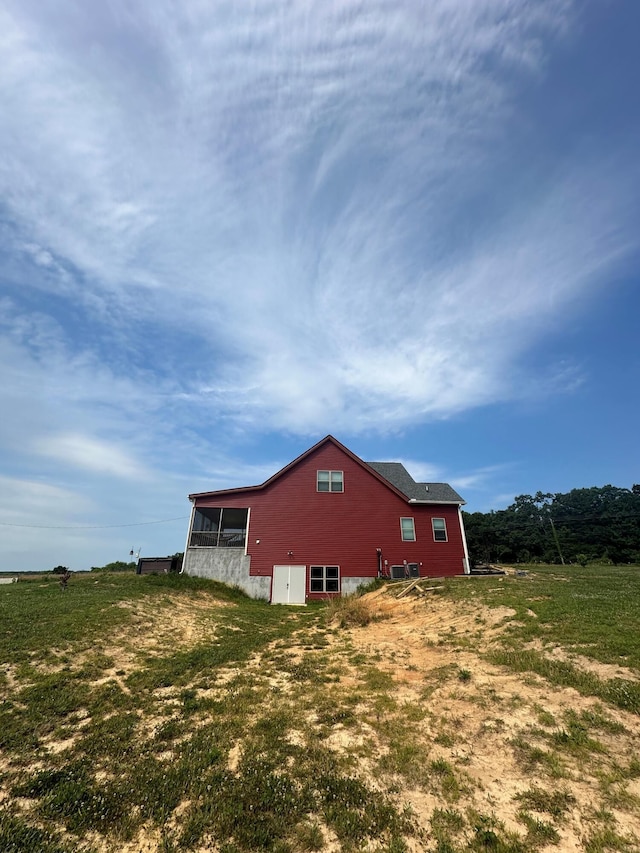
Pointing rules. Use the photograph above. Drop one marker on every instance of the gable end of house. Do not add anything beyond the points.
(323, 525)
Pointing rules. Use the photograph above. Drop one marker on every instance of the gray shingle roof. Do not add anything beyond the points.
(398, 476)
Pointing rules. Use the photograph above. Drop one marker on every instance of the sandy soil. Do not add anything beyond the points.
(471, 722)
(415, 640)
(494, 707)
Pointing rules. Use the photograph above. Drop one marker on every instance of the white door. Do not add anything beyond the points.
(289, 585)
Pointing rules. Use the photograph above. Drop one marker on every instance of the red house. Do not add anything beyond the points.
(323, 525)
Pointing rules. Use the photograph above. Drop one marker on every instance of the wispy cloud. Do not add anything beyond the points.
(26, 501)
(479, 479)
(92, 455)
(285, 182)
(218, 219)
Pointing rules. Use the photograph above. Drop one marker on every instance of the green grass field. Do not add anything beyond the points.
(180, 712)
(592, 611)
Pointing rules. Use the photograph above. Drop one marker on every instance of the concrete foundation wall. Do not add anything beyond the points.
(350, 585)
(231, 566)
(228, 565)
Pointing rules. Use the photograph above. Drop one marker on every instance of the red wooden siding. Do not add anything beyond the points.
(340, 528)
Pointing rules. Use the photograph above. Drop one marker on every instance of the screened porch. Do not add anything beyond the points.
(219, 527)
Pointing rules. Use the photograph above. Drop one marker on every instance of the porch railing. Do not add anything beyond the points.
(213, 539)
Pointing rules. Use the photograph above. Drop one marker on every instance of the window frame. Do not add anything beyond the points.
(325, 580)
(405, 538)
(208, 532)
(442, 529)
(331, 480)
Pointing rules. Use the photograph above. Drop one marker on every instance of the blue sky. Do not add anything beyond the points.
(228, 229)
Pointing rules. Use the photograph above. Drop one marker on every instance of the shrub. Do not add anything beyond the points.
(117, 566)
(350, 611)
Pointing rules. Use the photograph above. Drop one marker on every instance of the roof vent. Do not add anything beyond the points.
(426, 488)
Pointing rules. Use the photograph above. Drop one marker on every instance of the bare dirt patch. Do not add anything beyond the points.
(156, 629)
(602, 670)
(175, 622)
(501, 732)
(411, 703)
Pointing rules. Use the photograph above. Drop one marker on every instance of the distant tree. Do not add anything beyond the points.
(59, 570)
(117, 566)
(595, 524)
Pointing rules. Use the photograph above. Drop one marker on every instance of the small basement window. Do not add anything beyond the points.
(325, 579)
(408, 530)
(330, 481)
(439, 529)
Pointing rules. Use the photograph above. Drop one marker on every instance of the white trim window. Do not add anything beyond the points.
(408, 530)
(439, 529)
(324, 579)
(330, 481)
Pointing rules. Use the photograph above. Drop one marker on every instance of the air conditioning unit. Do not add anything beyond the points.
(410, 570)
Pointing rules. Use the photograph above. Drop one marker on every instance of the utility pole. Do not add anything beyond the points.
(555, 536)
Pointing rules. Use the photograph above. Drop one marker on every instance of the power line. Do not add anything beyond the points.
(558, 519)
(92, 526)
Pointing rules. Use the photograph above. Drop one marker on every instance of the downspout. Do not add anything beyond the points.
(186, 544)
(467, 565)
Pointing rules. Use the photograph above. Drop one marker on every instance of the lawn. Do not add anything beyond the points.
(591, 611)
(175, 714)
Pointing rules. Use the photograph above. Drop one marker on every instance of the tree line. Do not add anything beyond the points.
(599, 524)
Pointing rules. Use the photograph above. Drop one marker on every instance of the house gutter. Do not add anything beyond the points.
(186, 544)
(246, 533)
(446, 503)
(467, 564)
